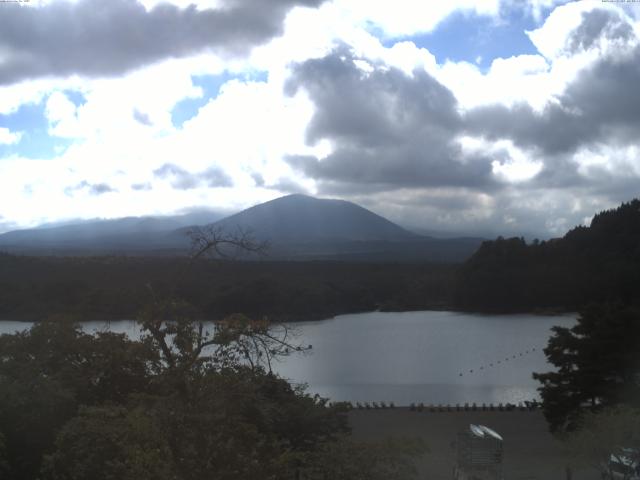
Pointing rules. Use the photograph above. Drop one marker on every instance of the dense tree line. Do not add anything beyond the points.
(117, 287)
(599, 263)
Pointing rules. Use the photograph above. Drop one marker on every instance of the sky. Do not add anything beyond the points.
(488, 117)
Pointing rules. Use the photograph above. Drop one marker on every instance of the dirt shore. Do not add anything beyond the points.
(530, 452)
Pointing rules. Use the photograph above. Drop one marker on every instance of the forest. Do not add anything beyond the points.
(598, 263)
(113, 287)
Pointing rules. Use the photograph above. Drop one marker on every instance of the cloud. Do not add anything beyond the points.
(287, 185)
(578, 27)
(387, 129)
(563, 145)
(599, 106)
(407, 17)
(142, 118)
(382, 124)
(596, 111)
(7, 137)
(141, 186)
(216, 177)
(91, 188)
(184, 180)
(598, 25)
(258, 179)
(98, 38)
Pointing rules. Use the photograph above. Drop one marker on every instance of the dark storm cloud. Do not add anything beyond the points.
(601, 105)
(286, 185)
(597, 24)
(109, 37)
(388, 129)
(92, 188)
(184, 180)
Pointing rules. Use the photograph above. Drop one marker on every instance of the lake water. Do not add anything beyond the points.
(411, 357)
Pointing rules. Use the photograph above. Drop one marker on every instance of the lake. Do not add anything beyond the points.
(411, 357)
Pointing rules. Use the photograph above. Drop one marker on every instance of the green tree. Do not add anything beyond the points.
(597, 362)
(110, 443)
(46, 373)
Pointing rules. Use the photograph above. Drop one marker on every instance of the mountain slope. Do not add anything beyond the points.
(134, 232)
(599, 263)
(299, 218)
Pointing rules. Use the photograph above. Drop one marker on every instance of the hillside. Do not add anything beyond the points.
(589, 264)
(297, 227)
(106, 235)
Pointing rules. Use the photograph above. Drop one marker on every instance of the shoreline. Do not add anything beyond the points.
(102, 317)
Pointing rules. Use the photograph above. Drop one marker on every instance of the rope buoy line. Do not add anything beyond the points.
(523, 406)
(519, 354)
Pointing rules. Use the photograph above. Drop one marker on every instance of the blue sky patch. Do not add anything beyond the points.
(210, 84)
(478, 39)
(35, 142)
(76, 97)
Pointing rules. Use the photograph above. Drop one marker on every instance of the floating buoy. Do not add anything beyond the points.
(460, 374)
(470, 371)
(481, 368)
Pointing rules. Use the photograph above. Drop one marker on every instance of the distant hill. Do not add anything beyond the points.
(296, 227)
(589, 264)
(103, 235)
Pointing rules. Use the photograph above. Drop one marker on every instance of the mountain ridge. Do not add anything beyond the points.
(297, 227)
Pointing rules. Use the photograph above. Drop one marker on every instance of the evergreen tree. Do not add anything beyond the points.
(598, 365)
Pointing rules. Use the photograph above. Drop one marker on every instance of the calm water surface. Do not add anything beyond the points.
(411, 356)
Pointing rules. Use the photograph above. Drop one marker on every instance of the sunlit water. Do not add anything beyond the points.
(410, 357)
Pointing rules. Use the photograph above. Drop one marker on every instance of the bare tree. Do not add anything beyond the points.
(189, 345)
(214, 241)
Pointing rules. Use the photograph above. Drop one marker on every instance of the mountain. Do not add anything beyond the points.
(299, 227)
(299, 218)
(598, 263)
(100, 236)
(296, 227)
